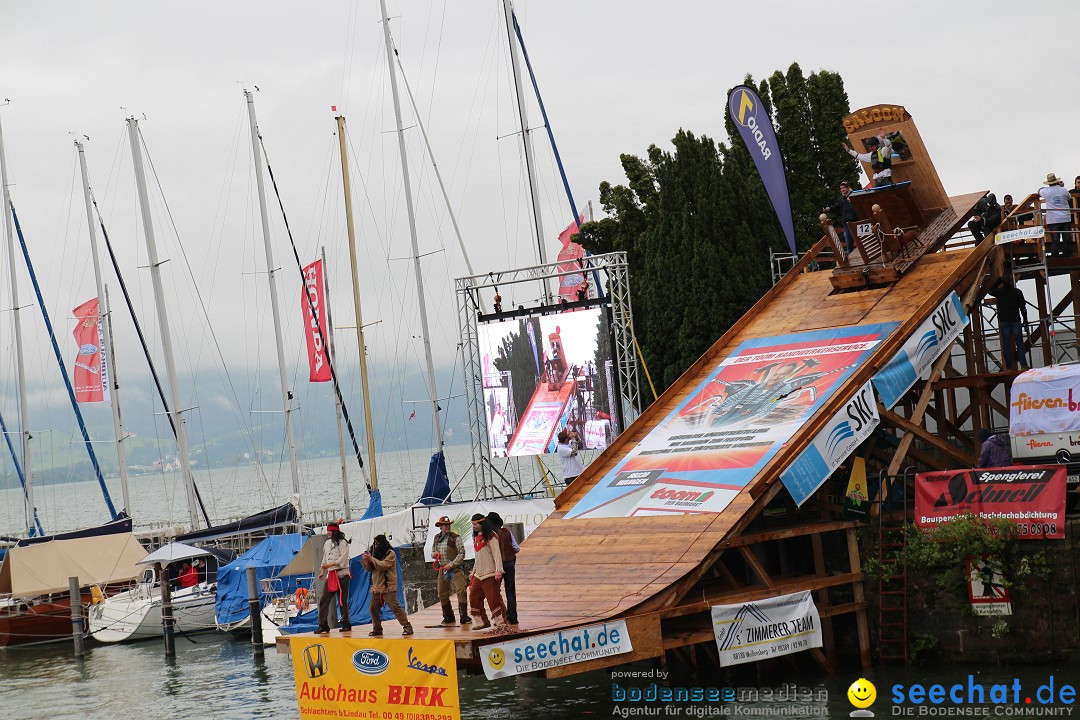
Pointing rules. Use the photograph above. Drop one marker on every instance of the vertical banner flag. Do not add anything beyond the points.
(755, 127)
(313, 295)
(570, 260)
(89, 372)
(375, 678)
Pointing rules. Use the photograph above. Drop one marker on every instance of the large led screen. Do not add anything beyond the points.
(546, 373)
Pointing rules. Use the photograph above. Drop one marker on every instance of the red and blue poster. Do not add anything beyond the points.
(716, 440)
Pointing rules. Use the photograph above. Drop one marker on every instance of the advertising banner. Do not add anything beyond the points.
(375, 678)
(530, 513)
(1045, 400)
(717, 439)
(765, 629)
(920, 351)
(89, 376)
(566, 647)
(1029, 233)
(756, 130)
(845, 432)
(1032, 497)
(857, 494)
(314, 296)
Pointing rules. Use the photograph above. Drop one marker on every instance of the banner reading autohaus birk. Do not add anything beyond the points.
(754, 631)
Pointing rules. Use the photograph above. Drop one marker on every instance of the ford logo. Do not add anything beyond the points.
(370, 662)
(88, 349)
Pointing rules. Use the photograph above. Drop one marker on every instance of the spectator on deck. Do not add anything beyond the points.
(879, 156)
(486, 574)
(994, 453)
(987, 217)
(567, 449)
(508, 546)
(1075, 195)
(189, 576)
(1012, 317)
(846, 210)
(1058, 211)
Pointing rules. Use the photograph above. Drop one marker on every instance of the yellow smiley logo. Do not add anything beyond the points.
(496, 657)
(862, 693)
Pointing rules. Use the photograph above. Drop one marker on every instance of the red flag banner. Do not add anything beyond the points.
(313, 296)
(1032, 497)
(570, 259)
(89, 363)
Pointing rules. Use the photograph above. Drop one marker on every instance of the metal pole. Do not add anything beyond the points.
(337, 397)
(167, 621)
(286, 396)
(20, 377)
(362, 346)
(412, 232)
(108, 360)
(256, 613)
(163, 322)
(76, 616)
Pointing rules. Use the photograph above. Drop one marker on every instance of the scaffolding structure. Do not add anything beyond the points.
(491, 482)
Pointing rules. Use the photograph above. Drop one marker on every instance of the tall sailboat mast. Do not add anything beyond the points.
(337, 398)
(361, 345)
(526, 139)
(163, 319)
(16, 308)
(271, 269)
(412, 231)
(109, 366)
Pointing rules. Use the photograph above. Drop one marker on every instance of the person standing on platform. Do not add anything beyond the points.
(879, 156)
(509, 548)
(567, 449)
(994, 451)
(486, 574)
(846, 210)
(987, 217)
(335, 566)
(1012, 317)
(381, 562)
(1058, 220)
(451, 577)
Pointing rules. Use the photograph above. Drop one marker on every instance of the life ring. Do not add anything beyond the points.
(301, 598)
(96, 595)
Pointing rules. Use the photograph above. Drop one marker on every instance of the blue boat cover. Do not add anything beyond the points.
(437, 487)
(374, 508)
(268, 558)
(359, 599)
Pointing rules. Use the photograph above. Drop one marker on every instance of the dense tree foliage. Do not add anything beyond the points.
(697, 225)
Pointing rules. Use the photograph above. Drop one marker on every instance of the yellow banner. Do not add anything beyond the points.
(398, 679)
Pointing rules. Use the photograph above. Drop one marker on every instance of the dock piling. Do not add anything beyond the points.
(167, 620)
(256, 613)
(76, 617)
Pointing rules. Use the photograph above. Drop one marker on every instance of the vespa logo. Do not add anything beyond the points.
(315, 661)
(370, 662)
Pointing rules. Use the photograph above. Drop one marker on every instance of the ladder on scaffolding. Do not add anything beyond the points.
(893, 581)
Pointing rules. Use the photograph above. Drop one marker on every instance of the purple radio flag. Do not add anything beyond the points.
(757, 132)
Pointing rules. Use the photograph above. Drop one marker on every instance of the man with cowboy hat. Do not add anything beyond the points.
(1058, 225)
(879, 157)
(449, 553)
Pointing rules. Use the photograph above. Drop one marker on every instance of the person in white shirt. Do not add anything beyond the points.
(1058, 221)
(567, 449)
(335, 567)
(879, 157)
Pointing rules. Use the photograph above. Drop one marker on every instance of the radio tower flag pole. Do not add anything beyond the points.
(756, 129)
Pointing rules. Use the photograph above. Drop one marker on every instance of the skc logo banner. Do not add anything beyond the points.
(845, 432)
(349, 677)
(756, 129)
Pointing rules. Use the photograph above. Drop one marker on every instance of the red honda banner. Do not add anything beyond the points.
(570, 259)
(1032, 497)
(313, 296)
(87, 374)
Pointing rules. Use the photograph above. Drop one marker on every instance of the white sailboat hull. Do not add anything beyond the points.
(136, 614)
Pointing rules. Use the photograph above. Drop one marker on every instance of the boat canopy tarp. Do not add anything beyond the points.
(437, 488)
(122, 524)
(359, 599)
(46, 567)
(282, 516)
(172, 552)
(268, 558)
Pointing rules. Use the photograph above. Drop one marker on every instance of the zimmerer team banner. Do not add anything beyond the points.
(717, 439)
(756, 129)
(919, 351)
(1032, 497)
(765, 629)
(373, 678)
(313, 295)
(90, 376)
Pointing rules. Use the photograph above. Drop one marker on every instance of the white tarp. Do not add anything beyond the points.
(45, 567)
(529, 513)
(765, 629)
(1045, 400)
(397, 527)
(172, 552)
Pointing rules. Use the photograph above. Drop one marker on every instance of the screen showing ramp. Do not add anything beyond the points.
(717, 439)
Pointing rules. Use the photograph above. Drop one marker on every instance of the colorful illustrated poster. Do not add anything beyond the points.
(717, 439)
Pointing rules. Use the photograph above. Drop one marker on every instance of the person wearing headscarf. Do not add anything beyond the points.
(335, 566)
(381, 562)
(486, 574)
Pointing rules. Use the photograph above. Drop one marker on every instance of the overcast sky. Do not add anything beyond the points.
(990, 84)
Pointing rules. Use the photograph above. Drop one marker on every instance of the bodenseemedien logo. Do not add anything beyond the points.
(861, 695)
